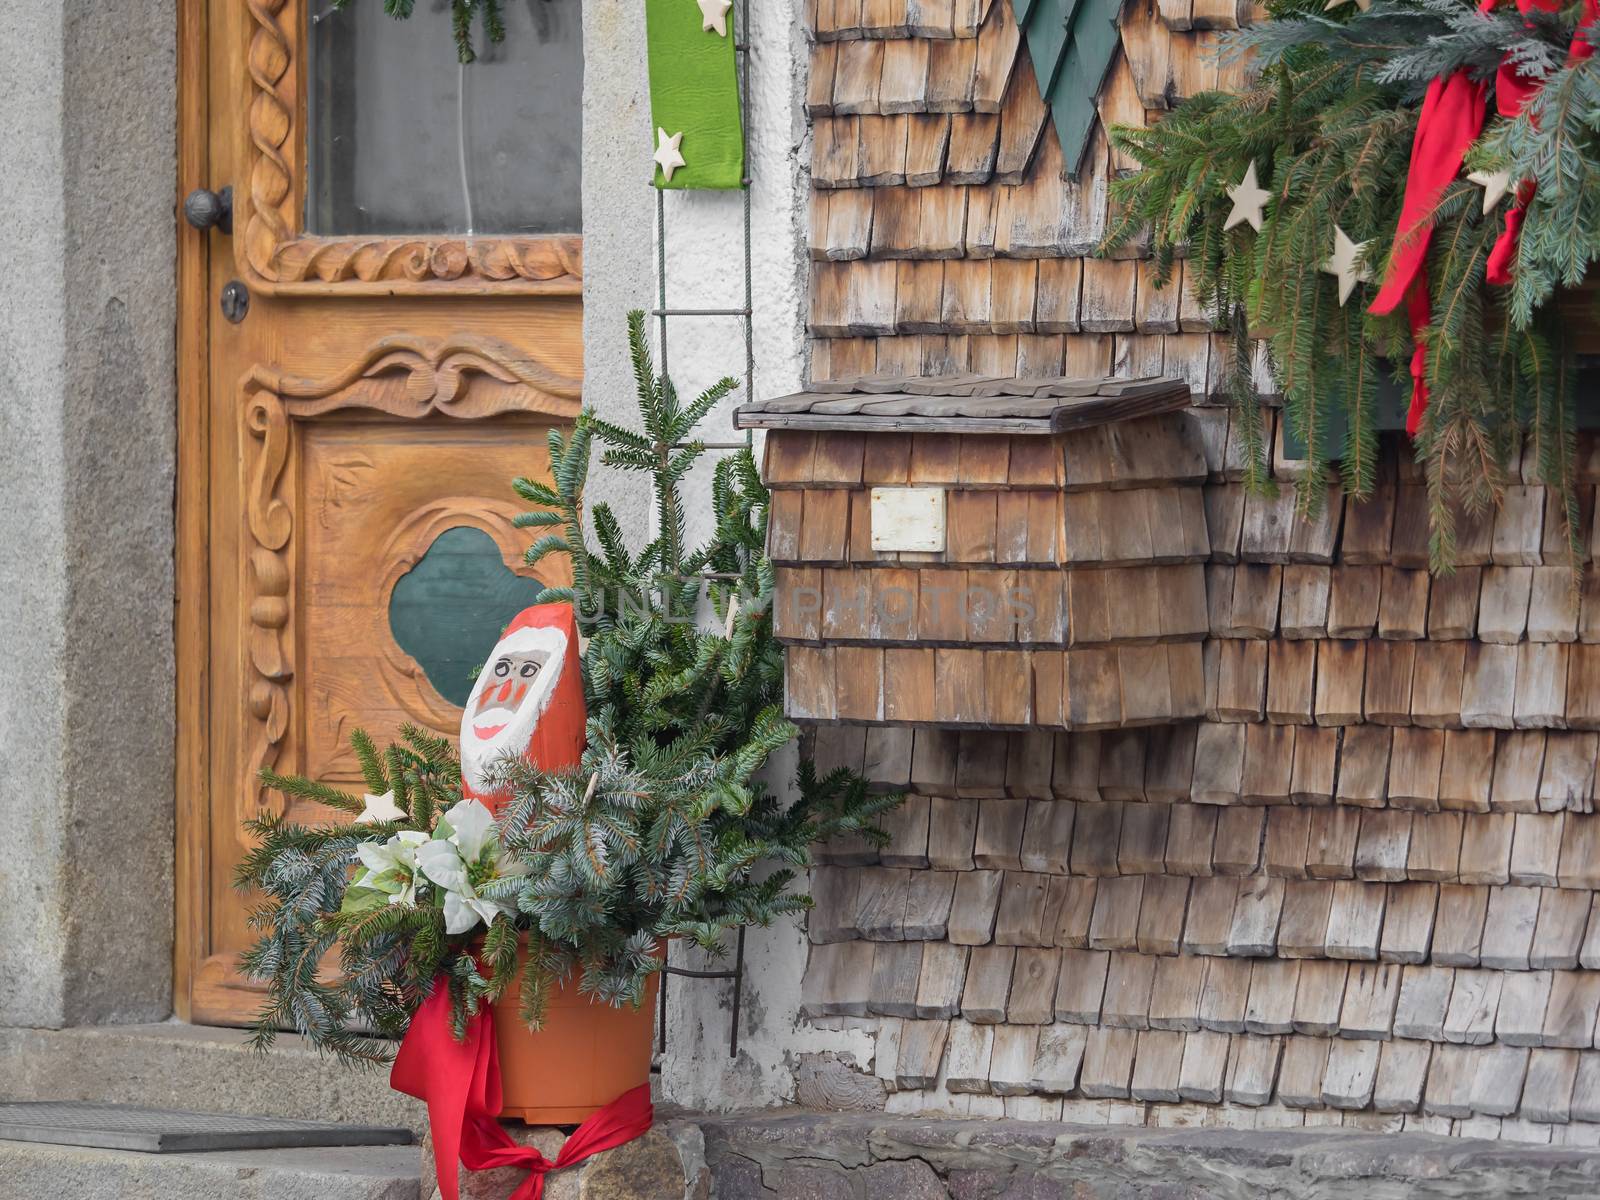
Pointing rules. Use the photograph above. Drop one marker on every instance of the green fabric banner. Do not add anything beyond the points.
(694, 94)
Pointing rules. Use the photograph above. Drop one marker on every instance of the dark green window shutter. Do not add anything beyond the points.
(1072, 44)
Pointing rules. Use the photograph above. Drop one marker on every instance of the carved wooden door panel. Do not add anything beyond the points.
(364, 378)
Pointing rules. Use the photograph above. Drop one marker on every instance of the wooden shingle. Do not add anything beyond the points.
(1351, 1075)
(1453, 604)
(1163, 910)
(1175, 992)
(1467, 771)
(1558, 937)
(1547, 1090)
(1011, 1060)
(1503, 604)
(1210, 921)
(1353, 597)
(1303, 925)
(1423, 1002)
(1320, 997)
(1408, 924)
(1486, 848)
(1474, 1003)
(988, 986)
(1253, 1070)
(975, 907)
(1458, 927)
(1300, 1076)
(1080, 987)
(1355, 920)
(1022, 916)
(1488, 682)
(1341, 674)
(1402, 1072)
(1108, 1063)
(1058, 1058)
(1316, 752)
(1225, 996)
(896, 973)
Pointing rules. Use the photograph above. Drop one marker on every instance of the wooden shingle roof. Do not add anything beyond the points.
(965, 404)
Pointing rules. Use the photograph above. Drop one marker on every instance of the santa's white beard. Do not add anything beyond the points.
(479, 754)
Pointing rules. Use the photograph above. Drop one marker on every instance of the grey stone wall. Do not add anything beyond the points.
(618, 216)
(87, 435)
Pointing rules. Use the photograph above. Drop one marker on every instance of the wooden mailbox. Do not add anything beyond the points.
(988, 552)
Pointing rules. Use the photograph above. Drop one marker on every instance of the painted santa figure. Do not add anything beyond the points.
(528, 700)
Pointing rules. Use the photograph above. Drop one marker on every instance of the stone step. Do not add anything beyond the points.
(197, 1068)
(31, 1171)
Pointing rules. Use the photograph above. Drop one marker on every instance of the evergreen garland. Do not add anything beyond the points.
(490, 14)
(664, 830)
(1329, 122)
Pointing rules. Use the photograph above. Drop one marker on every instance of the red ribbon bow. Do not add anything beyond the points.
(460, 1083)
(1452, 117)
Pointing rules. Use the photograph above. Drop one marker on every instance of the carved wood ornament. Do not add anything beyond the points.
(403, 377)
(280, 259)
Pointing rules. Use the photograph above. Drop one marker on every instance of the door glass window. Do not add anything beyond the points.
(403, 139)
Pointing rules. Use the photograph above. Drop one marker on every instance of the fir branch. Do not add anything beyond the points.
(1329, 123)
(307, 789)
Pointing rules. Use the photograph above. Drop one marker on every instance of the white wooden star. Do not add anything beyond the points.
(714, 14)
(668, 155)
(380, 810)
(1363, 5)
(1343, 264)
(1248, 198)
(1496, 186)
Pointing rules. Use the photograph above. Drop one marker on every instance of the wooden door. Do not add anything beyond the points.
(348, 439)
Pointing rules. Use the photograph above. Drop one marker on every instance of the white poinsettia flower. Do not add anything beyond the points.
(391, 868)
(462, 913)
(462, 857)
(472, 826)
(440, 860)
(399, 852)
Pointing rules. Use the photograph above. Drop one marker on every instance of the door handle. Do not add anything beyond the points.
(205, 209)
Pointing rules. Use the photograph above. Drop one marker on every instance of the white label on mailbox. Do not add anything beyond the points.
(908, 518)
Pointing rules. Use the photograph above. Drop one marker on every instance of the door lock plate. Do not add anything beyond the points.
(235, 300)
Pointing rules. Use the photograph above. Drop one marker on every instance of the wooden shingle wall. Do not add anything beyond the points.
(1360, 888)
(944, 237)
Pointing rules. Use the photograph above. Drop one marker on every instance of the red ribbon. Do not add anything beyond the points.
(1512, 90)
(1452, 117)
(460, 1083)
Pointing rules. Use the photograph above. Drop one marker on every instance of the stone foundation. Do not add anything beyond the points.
(800, 1155)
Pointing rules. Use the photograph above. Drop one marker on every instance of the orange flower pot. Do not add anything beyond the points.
(586, 1055)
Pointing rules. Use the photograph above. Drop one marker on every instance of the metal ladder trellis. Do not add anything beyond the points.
(741, 49)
